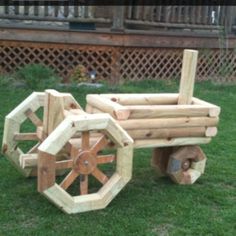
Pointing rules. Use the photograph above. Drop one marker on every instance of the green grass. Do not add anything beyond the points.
(147, 205)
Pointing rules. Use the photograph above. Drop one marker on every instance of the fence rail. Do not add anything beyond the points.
(132, 16)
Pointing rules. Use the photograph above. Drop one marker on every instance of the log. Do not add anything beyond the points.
(143, 99)
(214, 110)
(168, 133)
(211, 131)
(187, 76)
(156, 111)
(89, 109)
(149, 143)
(108, 106)
(169, 123)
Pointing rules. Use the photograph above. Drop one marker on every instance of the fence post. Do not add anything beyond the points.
(230, 18)
(115, 66)
(118, 18)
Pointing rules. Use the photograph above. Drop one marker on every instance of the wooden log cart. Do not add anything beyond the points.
(91, 152)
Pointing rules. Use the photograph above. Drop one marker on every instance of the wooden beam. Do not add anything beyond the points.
(160, 111)
(145, 143)
(183, 122)
(143, 99)
(25, 136)
(11, 35)
(108, 106)
(168, 133)
(187, 76)
(46, 171)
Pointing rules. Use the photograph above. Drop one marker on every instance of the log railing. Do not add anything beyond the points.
(131, 16)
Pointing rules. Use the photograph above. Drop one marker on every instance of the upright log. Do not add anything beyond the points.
(187, 77)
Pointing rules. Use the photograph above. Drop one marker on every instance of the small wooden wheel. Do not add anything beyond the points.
(13, 135)
(85, 161)
(186, 164)
(160, 158)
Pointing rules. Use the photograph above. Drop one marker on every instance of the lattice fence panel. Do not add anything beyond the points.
(151, 63)
(62, 58)
(114, 63)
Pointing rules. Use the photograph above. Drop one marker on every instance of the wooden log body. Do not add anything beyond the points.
(149, 124)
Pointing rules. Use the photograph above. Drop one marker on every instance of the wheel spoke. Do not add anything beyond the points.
(33, 117)
(74, 152)
(100, 144)
(102, 159)
(69, 179)
(83, 184)
(25, 136)
(66, 164)
(100, 176)
(85, 140)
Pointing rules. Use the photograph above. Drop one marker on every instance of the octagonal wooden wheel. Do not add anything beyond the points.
(16, 134)
(85, 161)
(13, 134)
(186, 164)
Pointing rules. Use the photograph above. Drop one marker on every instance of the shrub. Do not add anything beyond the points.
(37, 76)
(6, 81)
(78, 75)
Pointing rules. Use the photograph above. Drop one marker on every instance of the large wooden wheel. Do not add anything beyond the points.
(53, 106)
(85, 161)
(186, 164)
(13, 134)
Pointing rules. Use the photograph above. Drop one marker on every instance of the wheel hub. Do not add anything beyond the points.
(85, 163)
(186, 164)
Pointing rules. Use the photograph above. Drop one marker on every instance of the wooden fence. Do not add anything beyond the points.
(118, 63)
(116, 58)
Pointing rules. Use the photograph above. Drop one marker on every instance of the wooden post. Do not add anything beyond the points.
(229, 18)
(118, 18)
(53, 112)
(187, 76)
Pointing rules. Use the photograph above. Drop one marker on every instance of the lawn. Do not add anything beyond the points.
(147, 205)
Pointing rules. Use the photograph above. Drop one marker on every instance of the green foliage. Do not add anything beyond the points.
(37, 76)
(147, 205)
(6, 81)
(78, 75)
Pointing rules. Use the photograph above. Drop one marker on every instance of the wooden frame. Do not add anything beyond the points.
(55, 142)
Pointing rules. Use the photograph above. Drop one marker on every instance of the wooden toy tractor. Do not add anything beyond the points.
(73, 145)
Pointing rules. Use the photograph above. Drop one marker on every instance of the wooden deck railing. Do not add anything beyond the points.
(133, 16)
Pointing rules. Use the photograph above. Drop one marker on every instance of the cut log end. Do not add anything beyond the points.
(211, 131)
